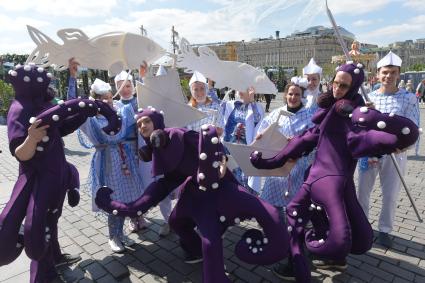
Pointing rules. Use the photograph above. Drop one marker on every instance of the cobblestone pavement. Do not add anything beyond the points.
(156, 259)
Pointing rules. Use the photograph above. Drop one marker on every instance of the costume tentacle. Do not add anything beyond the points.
(10, 222)
(256, 246)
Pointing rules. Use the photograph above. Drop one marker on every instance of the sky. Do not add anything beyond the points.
(372, 21)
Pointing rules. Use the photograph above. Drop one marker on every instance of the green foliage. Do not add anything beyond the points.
(6, 96)
(185, 88)
(417, 67)
(14, 58)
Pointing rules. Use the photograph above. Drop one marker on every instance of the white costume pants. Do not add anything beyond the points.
(390, 187)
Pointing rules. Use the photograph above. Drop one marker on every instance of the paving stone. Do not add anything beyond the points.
(160, 268)
(117, 270)
(95, 271)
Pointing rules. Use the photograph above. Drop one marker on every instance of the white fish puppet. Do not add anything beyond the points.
(114, 51)
(164, 93)
(270, 144)
(233, 74)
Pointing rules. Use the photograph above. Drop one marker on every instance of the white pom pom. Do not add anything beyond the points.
(350, 115)
(265, 241)
(69, 109)
(45, 139)
(300, 220)
(13, 73)
(40, 79)
(27, 68)
(40, 69)
(286, 194)
(47, 229)
(289, 228)
(254, 250)
(420, 131)
(381, 124)
(321, 241)
(161, 112)
(204, 133)
(201, 176)
(255, 152)
(18, 66)
(237, 220)
(32, 120)
(139, 109)
(27, 79)
(204, 127)
(55, 118)
(222, 218)
(318, 208)
(391, 114)
(356, 71)
(214, 185)
(91, 105)
(359, 65)
(39, 148)
(364, 109)
(60, 102)
(405, 131)
(203, 156)
(294, 213)
(49, 75)
(202, 188)
(114, 212)
(350, 62)
(139, 213)
(214, 140)
(82, 104)
(215, 164)
(258, 242)
(135, 116)
(111, 133)
(361, 119)
(248, 240)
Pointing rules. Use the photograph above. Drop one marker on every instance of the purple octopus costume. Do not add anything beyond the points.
(327, 196)
(191, 161)
(43, 181)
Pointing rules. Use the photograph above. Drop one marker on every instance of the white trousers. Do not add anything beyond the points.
(390, 187)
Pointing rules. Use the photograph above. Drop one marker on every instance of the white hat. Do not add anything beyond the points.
(100, 87)
(123, 76)
(161, 71)
(391, 59)
(301, 82)
(197, 77)
(312, 68)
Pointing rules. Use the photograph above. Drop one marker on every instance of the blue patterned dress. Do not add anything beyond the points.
(215, 116)
(279, 191)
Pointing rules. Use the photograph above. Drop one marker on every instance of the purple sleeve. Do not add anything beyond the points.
(17, 127)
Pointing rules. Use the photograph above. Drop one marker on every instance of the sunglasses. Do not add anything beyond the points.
(340, 85)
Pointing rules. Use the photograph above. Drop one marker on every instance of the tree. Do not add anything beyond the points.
(6, 96)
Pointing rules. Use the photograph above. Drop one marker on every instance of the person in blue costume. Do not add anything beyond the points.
(198, 88)
(114, 162)
(242, 118)
(279, 191)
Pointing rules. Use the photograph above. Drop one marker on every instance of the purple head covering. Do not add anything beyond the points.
(156, 117)
(210, 155)
(30, 84)
(357, 78)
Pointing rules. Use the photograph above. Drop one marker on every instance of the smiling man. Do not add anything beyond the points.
(387, 99)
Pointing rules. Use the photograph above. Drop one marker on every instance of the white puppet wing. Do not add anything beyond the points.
(233, 74)
(270, 144)
(115, 51)
(164, 94)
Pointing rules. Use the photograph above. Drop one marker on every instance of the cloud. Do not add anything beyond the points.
(392, 33)
(76, 8)
(364, 23)
(417, 5)
(18, 24)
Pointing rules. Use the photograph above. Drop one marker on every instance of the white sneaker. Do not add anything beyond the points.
(127, 242)
(116, 245)
(164, 230)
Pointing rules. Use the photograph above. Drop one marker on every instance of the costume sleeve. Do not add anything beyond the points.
(297, 147)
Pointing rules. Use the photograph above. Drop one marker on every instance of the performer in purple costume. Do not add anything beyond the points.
(207, 199)
(44, 174)
(328, 196)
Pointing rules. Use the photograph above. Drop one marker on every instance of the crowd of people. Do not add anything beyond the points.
(132, 169)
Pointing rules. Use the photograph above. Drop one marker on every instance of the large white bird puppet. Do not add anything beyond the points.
(233, 74)
(114, 51)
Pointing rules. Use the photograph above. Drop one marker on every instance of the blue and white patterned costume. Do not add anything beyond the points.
(279, 191)
(215, 116)
(112, 152)
(401, 103)
(241, 123)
